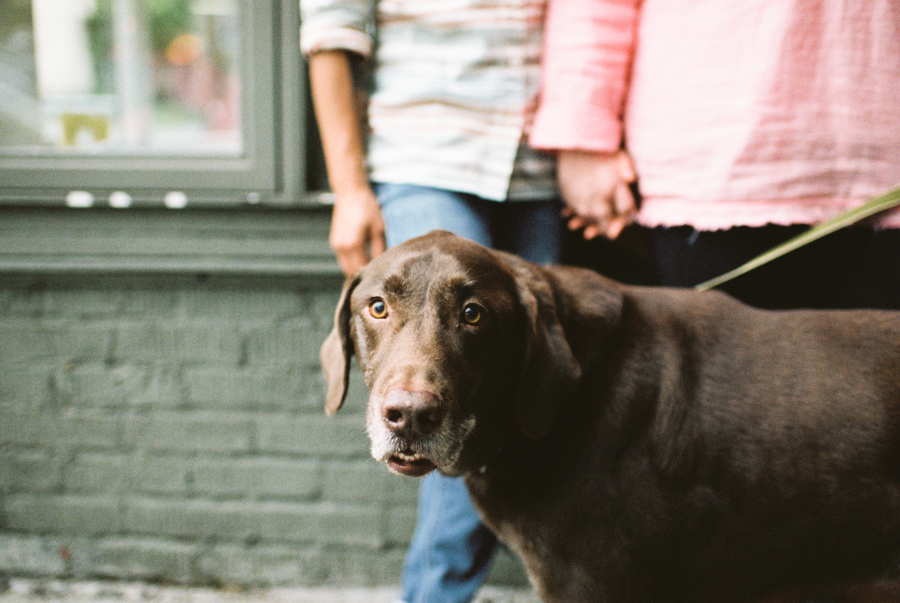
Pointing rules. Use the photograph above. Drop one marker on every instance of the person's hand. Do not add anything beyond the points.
(596, 189)
(357, 229)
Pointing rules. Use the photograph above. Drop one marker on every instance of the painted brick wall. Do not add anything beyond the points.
(171, 428)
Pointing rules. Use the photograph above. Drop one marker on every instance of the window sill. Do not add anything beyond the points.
(252, 241)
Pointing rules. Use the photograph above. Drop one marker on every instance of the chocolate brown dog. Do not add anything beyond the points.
(632, 445)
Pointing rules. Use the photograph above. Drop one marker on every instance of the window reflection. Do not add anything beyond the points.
(122, 77)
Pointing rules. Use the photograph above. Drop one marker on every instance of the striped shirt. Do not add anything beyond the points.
(455, 86)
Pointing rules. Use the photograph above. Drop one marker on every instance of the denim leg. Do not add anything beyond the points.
(532, 230)
(450, 553)
(449, 556)
(451, 549)
(410, 211)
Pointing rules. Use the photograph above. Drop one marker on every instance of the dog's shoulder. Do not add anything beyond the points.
(586, 293)
(592, 296)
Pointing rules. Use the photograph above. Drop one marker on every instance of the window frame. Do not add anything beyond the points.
(271, 169)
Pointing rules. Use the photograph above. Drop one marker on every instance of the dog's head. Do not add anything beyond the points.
(457, 343)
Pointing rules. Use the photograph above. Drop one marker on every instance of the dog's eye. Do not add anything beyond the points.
(472, 314)
(378, 309)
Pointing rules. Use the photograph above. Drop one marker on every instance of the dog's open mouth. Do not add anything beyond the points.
(411, 464)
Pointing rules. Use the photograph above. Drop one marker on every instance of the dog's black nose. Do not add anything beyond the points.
(411, 414)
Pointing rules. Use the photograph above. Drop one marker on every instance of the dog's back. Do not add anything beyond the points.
(715, 452)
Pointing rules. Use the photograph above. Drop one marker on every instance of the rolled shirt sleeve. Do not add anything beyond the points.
(588, 49)
(337, 25)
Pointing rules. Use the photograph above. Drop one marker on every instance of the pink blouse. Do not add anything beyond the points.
(735, 113)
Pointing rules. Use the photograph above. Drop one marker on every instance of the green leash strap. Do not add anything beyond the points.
(879, 204)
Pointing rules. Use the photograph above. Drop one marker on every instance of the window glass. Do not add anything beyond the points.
(120, 77)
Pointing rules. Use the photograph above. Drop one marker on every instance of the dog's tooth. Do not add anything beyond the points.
(409, 457)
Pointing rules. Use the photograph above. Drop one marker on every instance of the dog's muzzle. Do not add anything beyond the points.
(411, 417)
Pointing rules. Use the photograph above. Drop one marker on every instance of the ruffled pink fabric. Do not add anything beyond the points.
(735, 113)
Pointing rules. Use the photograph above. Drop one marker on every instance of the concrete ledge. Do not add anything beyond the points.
(247, 240)
(32, 591)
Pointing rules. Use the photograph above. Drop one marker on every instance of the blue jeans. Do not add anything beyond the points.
(450, 553)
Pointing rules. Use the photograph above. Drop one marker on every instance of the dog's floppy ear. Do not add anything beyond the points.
(337, 350)
(550, 371)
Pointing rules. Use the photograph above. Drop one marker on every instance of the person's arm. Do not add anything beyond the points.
(588, 47)
(357, 227)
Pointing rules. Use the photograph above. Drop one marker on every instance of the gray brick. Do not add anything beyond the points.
(190, 431)
(84, 430)
(359, 481)
(84, 302)
(22, 302)
(79, 341)
(29, 470)
(246, 387)
(171, 429)
(321, 523)
(405, 490)
(222, 477)
(98, 384)
(26, 386)
(357, 394)
(52, 514)
(162, 389)
(193, 342)
(235, 303)
(30, 554)
(288, 478)
(257, 477)
(321, 305)
(401, 521)
(22, 428)
(290, 342)
(189, 518)
(7, 472)
(315, 435)
(267, 565)
(91, 473)
(144, 559)
(149, 302)
(162, 474)
(311, 394)
(230, 563)
(364, 567)
(31, 341)
(283, 522)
